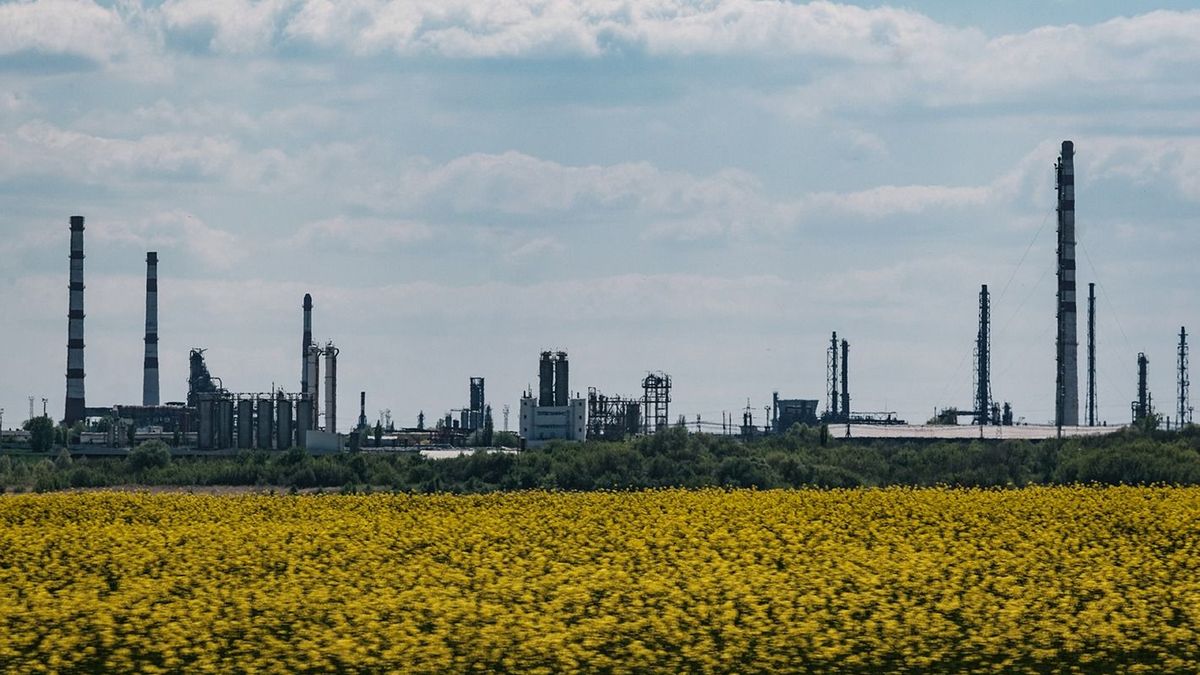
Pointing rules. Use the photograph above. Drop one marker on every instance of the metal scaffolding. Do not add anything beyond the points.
(656, 401)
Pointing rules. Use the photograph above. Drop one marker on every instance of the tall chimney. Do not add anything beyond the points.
(846, 380)
(1067, 384)
(150, 365)
(831, 376)
(306, 342)
(74, 411)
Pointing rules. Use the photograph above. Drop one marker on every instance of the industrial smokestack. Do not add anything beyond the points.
(74, 411)
(150, 365)
(1067, 389)
(846, 380)
(362, 410)
(561, 380)
(331, 354)
(832, 376)
(305, 343)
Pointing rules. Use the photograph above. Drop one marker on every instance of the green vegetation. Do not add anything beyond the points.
(801, 457)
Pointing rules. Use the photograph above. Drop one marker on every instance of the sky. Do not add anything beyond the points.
(703, 188)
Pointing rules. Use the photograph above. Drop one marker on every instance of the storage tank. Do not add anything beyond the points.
(225, 440)
(283, 424)
(204, 431)
(245, 424)
(304, 420)
(266, 422)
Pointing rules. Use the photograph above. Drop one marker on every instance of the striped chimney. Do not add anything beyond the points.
(150, 366)
(74, 411)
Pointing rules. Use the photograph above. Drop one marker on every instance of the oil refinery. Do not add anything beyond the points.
(212, 418)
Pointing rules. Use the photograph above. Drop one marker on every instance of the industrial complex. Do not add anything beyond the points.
(215, 419)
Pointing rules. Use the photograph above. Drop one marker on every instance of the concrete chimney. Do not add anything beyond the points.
(74, 410)
(1066, 412)
(150, 365)
(846, 380)
(306, 342)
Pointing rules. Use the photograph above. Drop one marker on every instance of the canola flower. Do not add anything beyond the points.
(1076, 579)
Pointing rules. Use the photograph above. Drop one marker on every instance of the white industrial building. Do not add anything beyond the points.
(552, 414)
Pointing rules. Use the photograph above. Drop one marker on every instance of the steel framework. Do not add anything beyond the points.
(983, 363)
(656, 401)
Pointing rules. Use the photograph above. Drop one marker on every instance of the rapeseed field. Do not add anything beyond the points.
(1077, 579)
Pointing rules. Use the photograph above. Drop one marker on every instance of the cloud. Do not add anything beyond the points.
(42, 148)
(534, 248)
(69, 27)
(178, 230)
(361, 234)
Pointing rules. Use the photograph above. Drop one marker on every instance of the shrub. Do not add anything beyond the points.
(149, 455)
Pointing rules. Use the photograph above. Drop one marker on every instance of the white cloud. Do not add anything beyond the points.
(534, 248)
(41, 148)
(74, 27)
(361, 234)
(177, 230)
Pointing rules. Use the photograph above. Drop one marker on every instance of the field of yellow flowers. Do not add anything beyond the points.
(1086, 579)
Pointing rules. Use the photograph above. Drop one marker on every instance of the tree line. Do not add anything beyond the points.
(801, 457)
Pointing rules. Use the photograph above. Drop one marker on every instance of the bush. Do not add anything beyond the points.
(149, 455)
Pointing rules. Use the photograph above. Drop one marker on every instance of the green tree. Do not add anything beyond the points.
(489, 428)
(378, 434)
(41, 433)
(149, 455)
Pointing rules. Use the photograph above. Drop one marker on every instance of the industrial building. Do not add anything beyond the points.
(552, 414)
(788, 412)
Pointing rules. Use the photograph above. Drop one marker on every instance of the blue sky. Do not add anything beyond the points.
(705, 188)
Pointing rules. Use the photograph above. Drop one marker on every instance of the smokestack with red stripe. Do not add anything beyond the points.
(150, 366)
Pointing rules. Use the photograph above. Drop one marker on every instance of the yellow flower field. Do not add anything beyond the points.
(1071, 579)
